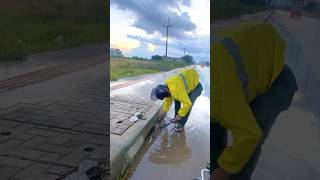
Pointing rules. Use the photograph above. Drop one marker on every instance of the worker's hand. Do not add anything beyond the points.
(220, 174)
(176, 119)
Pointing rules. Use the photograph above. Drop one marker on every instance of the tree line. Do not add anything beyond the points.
(185, 58)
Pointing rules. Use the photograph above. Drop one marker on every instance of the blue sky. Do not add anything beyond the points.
(136, 27)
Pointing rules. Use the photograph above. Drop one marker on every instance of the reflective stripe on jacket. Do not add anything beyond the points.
(261, 52)
(179, 91)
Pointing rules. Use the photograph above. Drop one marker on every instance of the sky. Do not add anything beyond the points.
(136, 27)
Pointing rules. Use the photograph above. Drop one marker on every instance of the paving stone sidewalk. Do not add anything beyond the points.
(57, 138)
(48, 140)
(122, 108)
(41, 61)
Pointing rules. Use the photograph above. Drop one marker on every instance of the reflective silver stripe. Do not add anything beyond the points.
(235, 53)
(184, 82)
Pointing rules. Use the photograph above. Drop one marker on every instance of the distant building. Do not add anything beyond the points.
(316, 1)
(116, 52)
(281, 3)
(289, 3)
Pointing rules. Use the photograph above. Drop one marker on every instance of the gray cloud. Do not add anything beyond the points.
(195, 45)
(154, 41)
(198, 45)
(152, 14)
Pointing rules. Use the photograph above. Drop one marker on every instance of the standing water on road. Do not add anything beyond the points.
(172, 155)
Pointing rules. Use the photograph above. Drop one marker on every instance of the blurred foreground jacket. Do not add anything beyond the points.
(244, 66)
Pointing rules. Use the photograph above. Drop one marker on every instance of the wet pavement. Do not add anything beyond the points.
(172, 155)
(292, 150)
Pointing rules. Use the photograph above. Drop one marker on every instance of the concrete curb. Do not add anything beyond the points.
(266, 19)
(122, 153)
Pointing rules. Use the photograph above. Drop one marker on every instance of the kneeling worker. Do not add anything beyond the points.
(183, 88)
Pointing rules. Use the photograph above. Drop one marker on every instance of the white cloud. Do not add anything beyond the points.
(151, 47)
(119, 29)
(200, 15)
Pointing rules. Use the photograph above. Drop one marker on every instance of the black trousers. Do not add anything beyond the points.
(193, 97)
(266, 109)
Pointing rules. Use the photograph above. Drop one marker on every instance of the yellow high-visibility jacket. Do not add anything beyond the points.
(262, 54)
(179, 92)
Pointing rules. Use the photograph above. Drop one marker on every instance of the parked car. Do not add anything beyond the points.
(296, 9)
(295, 13)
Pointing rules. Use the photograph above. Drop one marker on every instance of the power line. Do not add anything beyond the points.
(167, 26)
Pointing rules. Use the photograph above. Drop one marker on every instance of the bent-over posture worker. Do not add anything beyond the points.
(250, 87)
(183, 88)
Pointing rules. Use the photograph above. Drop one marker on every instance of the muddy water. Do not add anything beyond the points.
(171, 155)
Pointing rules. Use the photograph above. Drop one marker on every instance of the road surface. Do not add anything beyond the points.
(292, 150)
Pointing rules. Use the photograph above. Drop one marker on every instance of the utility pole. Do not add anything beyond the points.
(167, 26)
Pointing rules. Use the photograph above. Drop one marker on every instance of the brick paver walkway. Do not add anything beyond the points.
(55, 138)
(122, 108)
(48, 73)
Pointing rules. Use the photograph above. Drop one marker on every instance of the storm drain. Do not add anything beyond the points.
(88, 170)
(122, 127)
(5, 133)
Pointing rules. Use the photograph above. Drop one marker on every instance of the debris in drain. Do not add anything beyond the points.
(142, 116)
(89, 149)
(94, 173)
(5, 133)
(89, 170)
(136, 116)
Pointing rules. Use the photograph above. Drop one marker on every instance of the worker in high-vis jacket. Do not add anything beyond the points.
(251, 85)
(183, 88)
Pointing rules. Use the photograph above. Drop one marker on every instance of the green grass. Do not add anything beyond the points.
(124, 67)
(32, 26)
